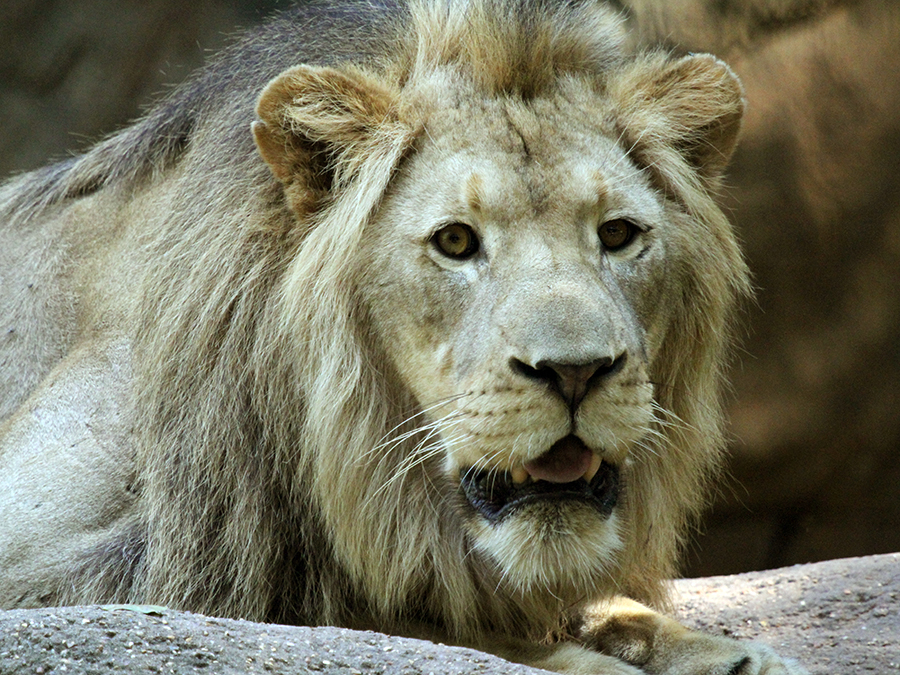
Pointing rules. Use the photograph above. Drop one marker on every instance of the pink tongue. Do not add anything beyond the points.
(566, 461)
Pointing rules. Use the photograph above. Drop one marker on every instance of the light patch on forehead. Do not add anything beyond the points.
(587, 187)
(598, 187)
(473, 192)
(490, 189)
(605, 180)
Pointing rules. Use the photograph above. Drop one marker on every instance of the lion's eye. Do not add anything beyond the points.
(616, 234)
(456, 240)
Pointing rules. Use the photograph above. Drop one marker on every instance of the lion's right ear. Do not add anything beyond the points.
(317, 125)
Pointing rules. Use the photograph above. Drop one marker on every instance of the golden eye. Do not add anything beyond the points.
(456, 240)
(616, 234)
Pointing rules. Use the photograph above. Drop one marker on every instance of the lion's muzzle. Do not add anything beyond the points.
(569, 471)
(572, 381)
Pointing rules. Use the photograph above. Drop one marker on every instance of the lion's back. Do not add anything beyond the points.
(36, 309)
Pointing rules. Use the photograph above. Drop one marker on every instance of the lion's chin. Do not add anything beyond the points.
(566, 547)
(558, 533)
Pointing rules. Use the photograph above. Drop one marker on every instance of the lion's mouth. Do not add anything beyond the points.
(568, 471)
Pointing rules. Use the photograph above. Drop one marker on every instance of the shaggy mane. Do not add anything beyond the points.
(513, 47)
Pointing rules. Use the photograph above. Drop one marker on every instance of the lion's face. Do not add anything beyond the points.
(538, 286)
(520, 268)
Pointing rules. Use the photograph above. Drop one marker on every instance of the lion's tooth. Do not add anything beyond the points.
(519, 475)
(594, 467)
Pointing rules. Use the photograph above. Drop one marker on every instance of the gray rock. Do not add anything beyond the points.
(840, 616)
(835, 617)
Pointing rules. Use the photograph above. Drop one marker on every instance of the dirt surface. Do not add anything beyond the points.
(837, 617)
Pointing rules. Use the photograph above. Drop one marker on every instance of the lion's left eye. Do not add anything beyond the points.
(456, 240)
(617, 234)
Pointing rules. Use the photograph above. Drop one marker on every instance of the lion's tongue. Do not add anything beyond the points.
(565, 462)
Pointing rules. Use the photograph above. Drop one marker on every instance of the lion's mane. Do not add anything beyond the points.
(269, 429)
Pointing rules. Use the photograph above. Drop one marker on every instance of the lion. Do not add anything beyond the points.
(425, 335)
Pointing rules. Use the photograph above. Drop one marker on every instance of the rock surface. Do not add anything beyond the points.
(835, 617)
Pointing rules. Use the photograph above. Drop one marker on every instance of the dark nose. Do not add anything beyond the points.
(572, 381)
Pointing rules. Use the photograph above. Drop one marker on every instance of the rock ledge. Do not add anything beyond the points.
(835, 617)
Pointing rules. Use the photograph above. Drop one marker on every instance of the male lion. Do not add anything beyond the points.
(439, 355)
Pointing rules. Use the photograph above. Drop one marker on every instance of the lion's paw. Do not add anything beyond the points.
(708, 655)
(762, 660)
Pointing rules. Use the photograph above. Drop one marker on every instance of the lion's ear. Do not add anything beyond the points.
(317, 125)
(693, 104)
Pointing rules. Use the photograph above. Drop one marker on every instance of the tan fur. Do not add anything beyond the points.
(296, 379)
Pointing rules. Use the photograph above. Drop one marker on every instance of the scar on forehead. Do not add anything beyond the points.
(473, 192)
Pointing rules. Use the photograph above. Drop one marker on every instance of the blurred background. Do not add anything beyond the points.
(814, 192)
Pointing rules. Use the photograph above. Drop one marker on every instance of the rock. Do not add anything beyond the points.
(72, 72)
(109, 639)
(835, 617)
(840, 616)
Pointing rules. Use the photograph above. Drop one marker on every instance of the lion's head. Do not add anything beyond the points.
(507, 315)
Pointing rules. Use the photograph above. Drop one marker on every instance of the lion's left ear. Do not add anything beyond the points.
(693, 104)
(318, 125)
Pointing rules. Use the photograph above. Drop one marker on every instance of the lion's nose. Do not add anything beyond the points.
(572, 381)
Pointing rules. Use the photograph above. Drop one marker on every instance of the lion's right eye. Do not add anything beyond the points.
(456, 240)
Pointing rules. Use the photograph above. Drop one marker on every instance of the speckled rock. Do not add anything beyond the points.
(121, 639)
(838, 617)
